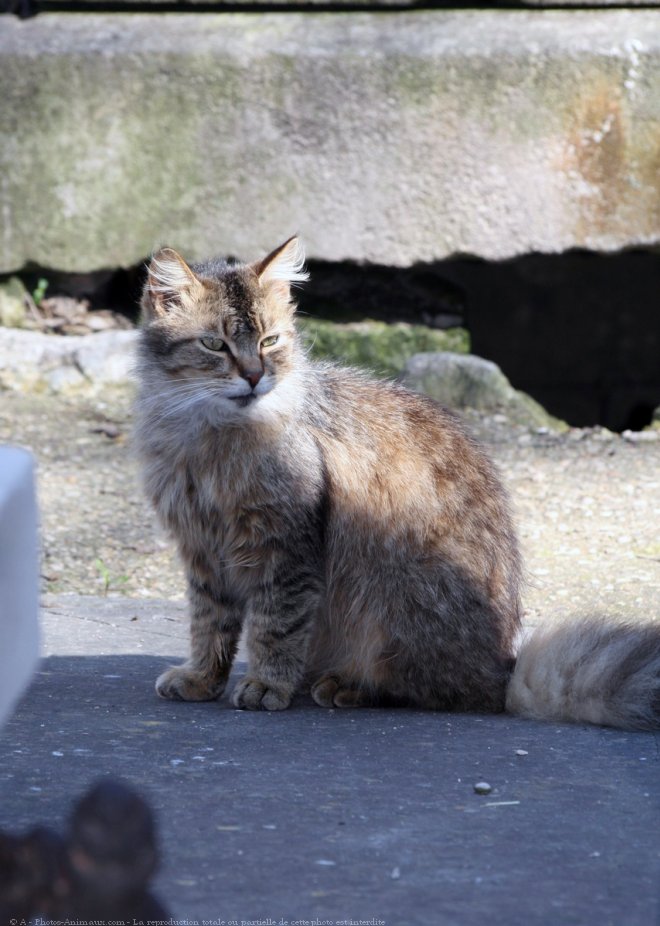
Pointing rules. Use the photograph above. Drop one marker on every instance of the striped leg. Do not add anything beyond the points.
(215, 627)
(280, 621)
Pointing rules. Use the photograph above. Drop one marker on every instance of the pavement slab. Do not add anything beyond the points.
(328, 816)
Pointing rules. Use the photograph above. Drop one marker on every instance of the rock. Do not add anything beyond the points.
(31, 360)
(12, 303)
(27, 358)
(393, 138)
(100, 321)
(108, 357)
(63, 307)
(641, 437)
(68, 315)
(66, 379)
(465, 381)
(378, 346)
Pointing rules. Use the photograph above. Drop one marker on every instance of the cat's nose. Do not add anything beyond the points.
(252, 376)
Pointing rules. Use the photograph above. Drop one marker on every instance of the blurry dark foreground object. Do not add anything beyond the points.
(99, 870)
(22, 8)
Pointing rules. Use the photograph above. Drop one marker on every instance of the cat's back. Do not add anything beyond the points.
(408, 483)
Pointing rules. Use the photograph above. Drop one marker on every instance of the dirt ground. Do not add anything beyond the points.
(587, 506)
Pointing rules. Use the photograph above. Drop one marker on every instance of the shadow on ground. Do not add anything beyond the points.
(368, 814)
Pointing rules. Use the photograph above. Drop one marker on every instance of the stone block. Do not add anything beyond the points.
(12, 303)
(381, 347)
(30, 360)
(337, 5)
(465, 381)
(392, 137)
(108, 357)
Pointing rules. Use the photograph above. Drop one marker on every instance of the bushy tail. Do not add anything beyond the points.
(601, 671)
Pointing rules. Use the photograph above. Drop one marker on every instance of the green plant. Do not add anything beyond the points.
(39, 291)
(106, 576)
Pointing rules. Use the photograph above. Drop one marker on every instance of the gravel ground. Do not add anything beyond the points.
(587, 506)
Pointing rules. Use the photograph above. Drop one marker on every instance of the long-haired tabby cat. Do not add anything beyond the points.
(354, 530)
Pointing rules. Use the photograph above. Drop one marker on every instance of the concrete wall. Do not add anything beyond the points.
(388, 137)
(86, 5)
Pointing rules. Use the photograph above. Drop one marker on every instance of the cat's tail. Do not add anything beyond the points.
(602, 671)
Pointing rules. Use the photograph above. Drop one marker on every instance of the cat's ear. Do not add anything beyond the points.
(283, 267)
(170, 284)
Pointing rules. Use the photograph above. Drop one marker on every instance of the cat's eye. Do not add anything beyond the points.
(269, 341)
(215, 344)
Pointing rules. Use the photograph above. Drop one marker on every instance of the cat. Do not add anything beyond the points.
(354, 529)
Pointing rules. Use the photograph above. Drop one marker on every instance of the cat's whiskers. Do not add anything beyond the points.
(184, 402)
(180, 396)
(171, 386)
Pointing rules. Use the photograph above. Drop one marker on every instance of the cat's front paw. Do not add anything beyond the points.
(253, 695)
(182, 683)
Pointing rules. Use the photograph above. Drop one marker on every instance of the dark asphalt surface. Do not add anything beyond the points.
(312, 815)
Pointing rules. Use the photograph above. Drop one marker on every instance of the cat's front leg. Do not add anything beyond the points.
(280, 622)
(215, 626)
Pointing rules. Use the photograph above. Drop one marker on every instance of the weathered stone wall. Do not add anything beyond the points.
(333, 4)
(387, 137)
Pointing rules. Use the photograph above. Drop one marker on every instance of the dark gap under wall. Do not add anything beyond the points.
(28, 8)
(579, 331)
(119, 290)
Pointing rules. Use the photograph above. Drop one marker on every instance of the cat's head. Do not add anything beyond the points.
(218, 335)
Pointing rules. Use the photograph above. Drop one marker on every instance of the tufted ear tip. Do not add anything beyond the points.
(286, 264)
(169, 278)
